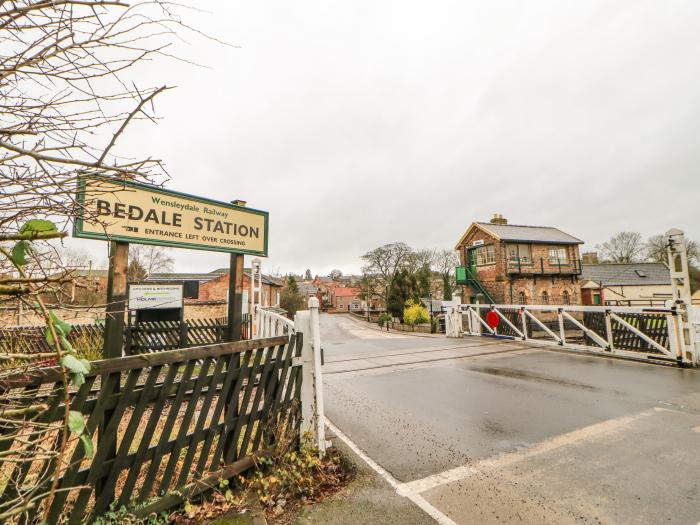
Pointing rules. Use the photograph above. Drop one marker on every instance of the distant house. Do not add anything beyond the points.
(626, 284)
(344, 299)
(504, 263)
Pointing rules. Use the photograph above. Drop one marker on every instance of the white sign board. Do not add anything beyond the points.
(149, 296)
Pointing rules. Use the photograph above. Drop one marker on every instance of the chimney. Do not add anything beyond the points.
(589, 257)
(498, 219)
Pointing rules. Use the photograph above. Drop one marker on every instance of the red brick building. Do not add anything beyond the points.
(510, 264)
(213, 286)
(345, 299)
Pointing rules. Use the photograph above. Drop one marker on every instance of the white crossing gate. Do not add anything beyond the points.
(648, 333)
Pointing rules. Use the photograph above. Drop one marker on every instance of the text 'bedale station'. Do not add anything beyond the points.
(173, 219)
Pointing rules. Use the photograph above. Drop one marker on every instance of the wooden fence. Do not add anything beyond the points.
(138, 338)
(171, 424)
(32, 339)
(654, 326)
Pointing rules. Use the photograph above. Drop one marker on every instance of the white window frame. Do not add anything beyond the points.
(485, 255)
(523, 253)
(558, 255)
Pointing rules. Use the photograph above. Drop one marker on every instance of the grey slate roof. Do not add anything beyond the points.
(201, 277)
(204, 277)
(536, 234)
(626, 274)
(307, 288)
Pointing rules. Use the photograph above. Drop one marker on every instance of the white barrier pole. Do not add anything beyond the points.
(312, 416)
(315, 322)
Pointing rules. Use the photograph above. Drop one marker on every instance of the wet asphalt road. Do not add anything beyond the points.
(501, 432)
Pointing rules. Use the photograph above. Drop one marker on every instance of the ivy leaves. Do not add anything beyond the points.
(76, 424)
(57, 330)
(38, 226)
(31, 229)
(18, 256)
(77, 369)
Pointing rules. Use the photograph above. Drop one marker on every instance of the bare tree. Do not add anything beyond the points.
(445, 262)
(418, 259)
(336, 275)
(656, 249)
(623, 247)
(148, 259)
(384, 263)
(65, 100)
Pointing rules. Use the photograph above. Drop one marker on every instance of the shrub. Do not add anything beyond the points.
(384, 318)
(415, 313)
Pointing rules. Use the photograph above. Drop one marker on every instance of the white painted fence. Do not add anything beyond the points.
(667, 333)
(270, 324)
(306, 325)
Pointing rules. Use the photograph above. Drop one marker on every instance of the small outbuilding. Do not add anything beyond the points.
(626, 284)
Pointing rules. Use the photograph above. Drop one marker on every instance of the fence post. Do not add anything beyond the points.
(694, 332)
(609, 331)
(453, 320)
(312, 416)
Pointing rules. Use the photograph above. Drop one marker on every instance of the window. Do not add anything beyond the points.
(519, 253)
(640, 273)
(521, 298)
(485, 255)
(558, 256)
(565, 298)
(545, 297)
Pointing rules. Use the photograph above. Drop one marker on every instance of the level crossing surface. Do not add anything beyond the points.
(481, 430)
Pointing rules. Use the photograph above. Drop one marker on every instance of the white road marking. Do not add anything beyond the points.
(504, 460)
(401, 488)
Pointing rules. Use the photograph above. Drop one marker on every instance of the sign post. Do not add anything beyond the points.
(113, 334)
(125, 211)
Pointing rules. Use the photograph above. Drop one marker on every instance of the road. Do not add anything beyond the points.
(478, 430)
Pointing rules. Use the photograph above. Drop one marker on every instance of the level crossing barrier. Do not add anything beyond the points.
(668, 333)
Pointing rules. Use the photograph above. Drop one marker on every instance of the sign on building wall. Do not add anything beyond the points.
(155, 296)
(132, 212)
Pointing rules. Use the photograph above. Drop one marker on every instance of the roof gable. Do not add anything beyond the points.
(521, 233)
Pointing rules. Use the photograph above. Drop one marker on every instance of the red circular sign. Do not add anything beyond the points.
(493, 319)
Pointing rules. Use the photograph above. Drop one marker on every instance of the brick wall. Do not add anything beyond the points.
(217, 290)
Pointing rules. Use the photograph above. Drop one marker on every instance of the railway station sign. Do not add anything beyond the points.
(155, 296)
(116, 210)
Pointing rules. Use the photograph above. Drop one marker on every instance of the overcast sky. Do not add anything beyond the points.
(360, 123)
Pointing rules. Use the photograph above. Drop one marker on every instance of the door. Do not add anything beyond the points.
(471, 261)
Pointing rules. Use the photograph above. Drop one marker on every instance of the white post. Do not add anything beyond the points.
(312, 415)
(475, 322)
(562, 332)
(318, 374)
(453, 322)
(694, 331)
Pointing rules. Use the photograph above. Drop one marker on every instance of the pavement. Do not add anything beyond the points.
(478, 430)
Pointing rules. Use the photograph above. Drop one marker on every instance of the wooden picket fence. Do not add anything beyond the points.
(654, 326)
(138, 338)
(156, 336)
(32, 339)
(166, 425)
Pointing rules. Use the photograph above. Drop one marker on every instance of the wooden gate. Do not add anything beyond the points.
(166, 425)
